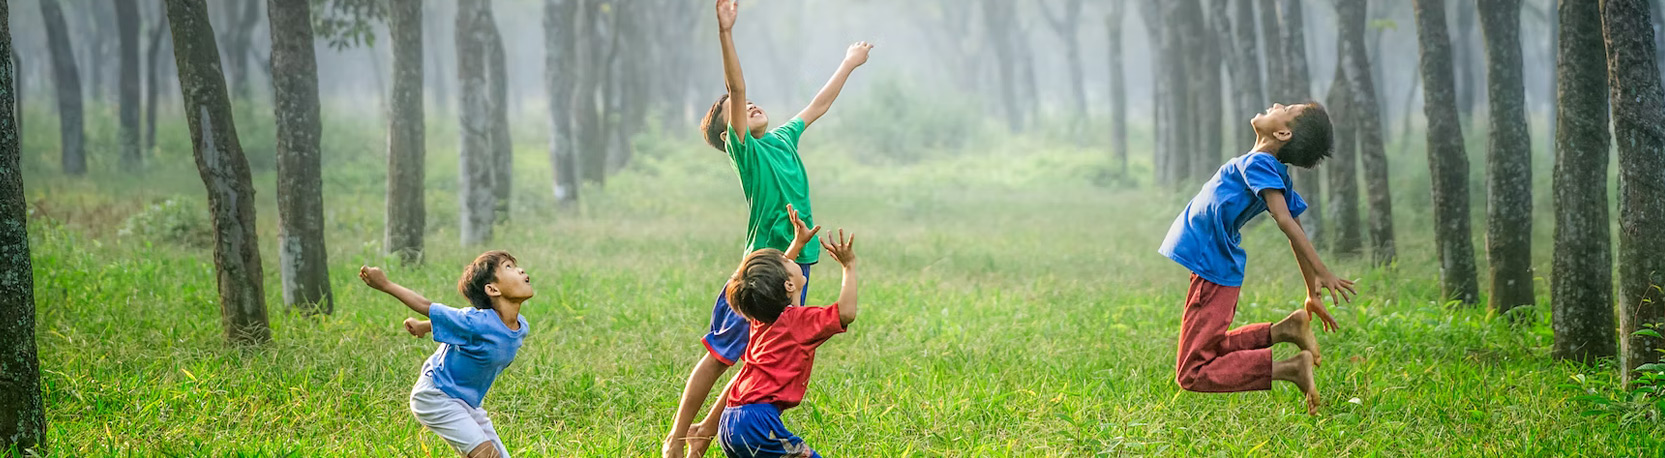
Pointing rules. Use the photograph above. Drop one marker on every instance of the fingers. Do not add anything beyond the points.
(814, 230)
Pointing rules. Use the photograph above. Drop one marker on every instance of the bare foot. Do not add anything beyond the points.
(1298, 370)
(1297, 329)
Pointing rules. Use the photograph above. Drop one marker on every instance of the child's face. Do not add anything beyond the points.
(795, 279)
(512, 282)
(1274, 122)
(757, 121)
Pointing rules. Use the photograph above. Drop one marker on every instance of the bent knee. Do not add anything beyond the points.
(1189, 382)
(485, 450)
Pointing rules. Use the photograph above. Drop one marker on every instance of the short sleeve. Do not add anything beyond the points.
(451, 325)
(790, 131)
(1262, 172)
(819, 323)
(1297, 205)
(736, 150)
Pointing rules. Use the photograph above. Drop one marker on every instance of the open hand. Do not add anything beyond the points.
(726, 11)
(800, 231)
(1315, 308)
(843, 250)
(373, 277)
(699, 439)
(857, 54)
(1340, 289)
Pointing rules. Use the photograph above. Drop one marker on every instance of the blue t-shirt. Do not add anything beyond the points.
(1205, 238)
(474, 346)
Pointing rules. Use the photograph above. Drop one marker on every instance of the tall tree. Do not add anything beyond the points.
(1160, 57)
(477, 197)
(154, 60)
(588, 121)
(1295, 80)
(22, 414)
(127, 28)
(406, 154)
(1067, 24)
(300, 190)
(997, 20)
(1179, 24)
(559, 80)
(1245, 64)
(242, 17)
(1581, 290)
(224, 170)
(1118, 86)
(502, 149)
(1351, 15)
(1208, 100)
(1342, 167)
(1638, 121)
(1469, 80)
(67, 78)
(1508, 159)
(1271, 39)
(1447, 162)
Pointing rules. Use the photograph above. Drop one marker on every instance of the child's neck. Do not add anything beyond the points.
(508, 311)
(1267, 145)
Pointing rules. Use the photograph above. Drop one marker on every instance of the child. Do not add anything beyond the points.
(1204, 239)
(771, 176)
(476, 344)
(781, 351)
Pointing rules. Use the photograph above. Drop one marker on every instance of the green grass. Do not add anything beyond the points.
(1013, 305)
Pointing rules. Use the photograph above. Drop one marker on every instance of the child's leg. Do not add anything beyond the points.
(1298, 370)
(450, 418)
(755, 431)
(1211, 359)
(495, 443)
(1297, 329)
(724, 344)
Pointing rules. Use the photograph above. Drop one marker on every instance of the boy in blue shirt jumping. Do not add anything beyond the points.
(475, 345)
(1205, 240)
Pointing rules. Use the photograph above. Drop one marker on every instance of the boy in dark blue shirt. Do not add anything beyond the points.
(1205, 239)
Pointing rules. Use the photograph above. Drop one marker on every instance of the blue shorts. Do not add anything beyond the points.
(729, 330)
(755, 430)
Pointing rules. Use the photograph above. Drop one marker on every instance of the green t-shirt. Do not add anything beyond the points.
(772, 175)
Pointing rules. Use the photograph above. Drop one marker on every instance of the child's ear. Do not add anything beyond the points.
(1283, 135)
(723, 136)
(789, 287)
(492, 291)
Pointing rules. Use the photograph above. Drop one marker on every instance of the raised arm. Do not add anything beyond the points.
(844, 250)
(854, 57)
(1317, 276)
(801, 233)
(375, 278)
(736, 109)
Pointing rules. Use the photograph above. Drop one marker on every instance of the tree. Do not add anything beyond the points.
(502, 148)
(1118, 86)
(67, 78)
(159, 46)
(997, 19)
(242, 16)
(1447, 162)
(406, 154)
(1468, 80)
(1581, 290)
(22, 414)
(224, 171)
(1161, 56)
(127, 28)
(1508, 159)
(1244, 63)
(1271, 38)
(1638, 117)
(559, 79)
(1208, 99)
(300, 190)
(1342, 169)
(476, 197)
(1366, 114)
(1067, 24)
(1180, 21)
(1296, 82)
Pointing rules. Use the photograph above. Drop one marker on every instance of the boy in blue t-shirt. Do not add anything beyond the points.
(476, 344)
(1205, 239)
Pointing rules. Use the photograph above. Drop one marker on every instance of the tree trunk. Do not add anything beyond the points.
(1118, 87)
(1161, 94)
(1581, 290)
(1178, 31)
(1342, 171)
(406, 151)
(1209, 99)
(1447, 162)
(477, 197)
(245, 15)
(1367, 124)
(127, 27)
(67, 79)
(22, 414)
(1245, 75)
(224, 170)
(1067, 25)
(1296, 86)
(153, 77)
(1638, 120)
(587, 116)
(502, 148)
(1271, 39)
(300, 190)
(1468, 81)
(997, 17)
(559, 76)
(1508, 159)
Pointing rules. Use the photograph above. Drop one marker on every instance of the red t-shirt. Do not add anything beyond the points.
(779, 355)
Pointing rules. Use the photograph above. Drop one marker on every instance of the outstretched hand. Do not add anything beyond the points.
(1315, 308)
(726, 11)
(857, 54)
(842, 250)
(801, 233)
(1340, 289)
(373, 277)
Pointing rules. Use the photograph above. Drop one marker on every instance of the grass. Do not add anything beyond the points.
(1013, 305)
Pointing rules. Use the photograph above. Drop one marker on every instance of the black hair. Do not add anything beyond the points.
(1311, 138)
(478, 274)
(715, 123)
(758, 289)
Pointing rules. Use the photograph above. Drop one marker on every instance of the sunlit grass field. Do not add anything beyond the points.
(1013, 304)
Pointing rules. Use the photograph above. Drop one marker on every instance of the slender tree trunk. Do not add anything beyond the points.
(588, 122)
(1581, 289)
(477, 198)
(1469, 81)
(1447, 162)
(407, 215)
(1367, 124)
(1508, 159)
(1296, 82)
(22, 414)
(1209, 99)
(1271, 39)
(245, 15)
(153, 79)
(224, 170)
(1178, 29)
(1162, 94)
(997, 17)
(502, 148)
(300, 191)
(1245, 76)
(1342, 175)
(127, 27)
(1638, 123)
(1067, 25)
(1118, 87)
(559, 77)
(67, 78)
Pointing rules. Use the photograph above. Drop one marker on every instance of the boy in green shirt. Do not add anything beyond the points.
(772, 178)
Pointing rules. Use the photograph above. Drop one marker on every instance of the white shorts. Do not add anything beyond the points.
(464, 426)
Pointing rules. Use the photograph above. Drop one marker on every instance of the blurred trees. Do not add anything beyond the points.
(1113, 21)
(1066, 23)
(1295, 78)
(1447, 161)
(476, 156)
(66, 79)
(1366, 114)
(127, 29)
(22, 413)
(302, 258)
(406, 150)
(1508, 159)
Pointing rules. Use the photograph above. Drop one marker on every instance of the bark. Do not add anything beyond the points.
(159, 46)
(475, 159)
(300, 190)
(406, 154)
(1508, 159)
(1245, 75)
(502, 148)
(67, 79)
(1179, 25)
(224, 170)
(997, 17)
(1447, 162)
(1639, 132)
(127, 29)
(1067, 24)
(1581, 290)
(22, 413)
(17, 93)
(1161, 94)
(1343, 178)
(559, 78)
(1271, 39)
(587, 115)
(1367, 124)
(1118, 87)
(1208, 100)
